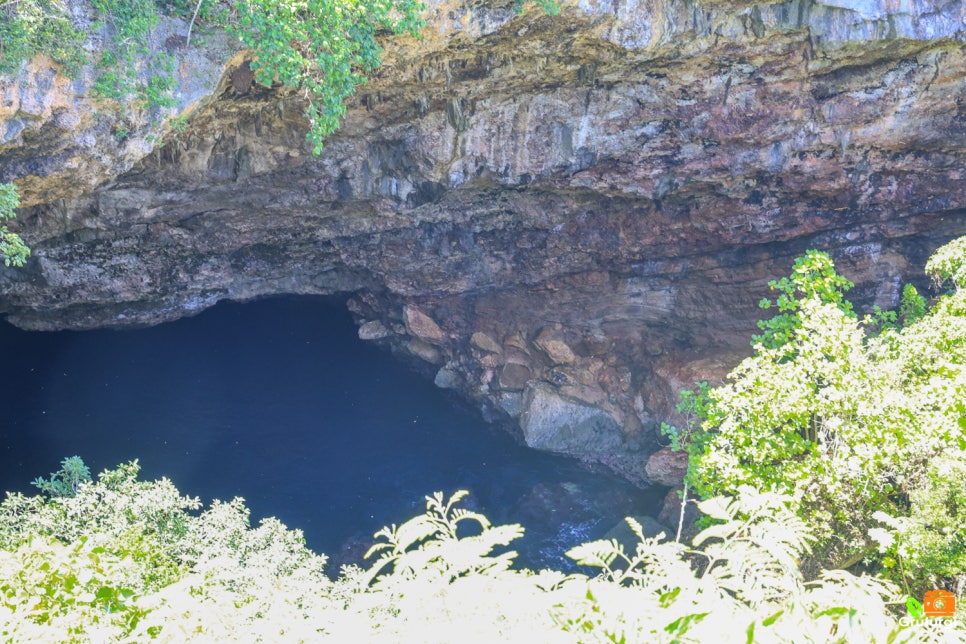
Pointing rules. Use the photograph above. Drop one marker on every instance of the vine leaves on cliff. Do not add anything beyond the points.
(13, 249)
(323, 47)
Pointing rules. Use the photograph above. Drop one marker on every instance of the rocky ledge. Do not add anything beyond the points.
(565, 219)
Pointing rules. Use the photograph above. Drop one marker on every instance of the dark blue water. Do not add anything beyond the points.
(277, 401)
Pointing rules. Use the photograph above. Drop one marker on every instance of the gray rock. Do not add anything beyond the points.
(447, 378)
(511, 402)
(373, 330)
(556, 424)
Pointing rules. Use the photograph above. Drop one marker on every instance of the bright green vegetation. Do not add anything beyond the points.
(130, 23)
(121, 559)
(12, 248)
(321, 47)
(326, 55)
(861, 422)
(31, 27)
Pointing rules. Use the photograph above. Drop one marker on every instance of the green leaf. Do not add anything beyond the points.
(666, 599)
(915, 608)
(771, 619)
(682, 624)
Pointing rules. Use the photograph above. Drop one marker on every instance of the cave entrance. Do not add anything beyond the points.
(279, 402)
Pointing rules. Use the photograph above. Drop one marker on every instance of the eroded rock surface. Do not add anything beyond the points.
(566, 219)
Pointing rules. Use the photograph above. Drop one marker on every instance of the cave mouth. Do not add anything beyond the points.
(279, 402)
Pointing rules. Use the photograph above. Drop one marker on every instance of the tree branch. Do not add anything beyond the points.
(192, 23)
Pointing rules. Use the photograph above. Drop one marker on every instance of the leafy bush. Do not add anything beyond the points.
(320, 46)
(813, 279)
(67, 480)
(948, 264)
(127, 560)
(850, 424)
(12, 248)
(32, 27)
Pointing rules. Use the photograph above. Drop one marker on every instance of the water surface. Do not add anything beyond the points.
(279, 402)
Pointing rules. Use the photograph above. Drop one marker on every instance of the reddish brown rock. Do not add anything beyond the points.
(424, 351)
(551, 341)
(421, 325)
(514, 376)
(667, 467)
(484, 342)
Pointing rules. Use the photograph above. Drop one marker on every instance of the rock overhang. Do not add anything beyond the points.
(580, 210)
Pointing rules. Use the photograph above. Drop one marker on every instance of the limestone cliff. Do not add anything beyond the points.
(565, 219)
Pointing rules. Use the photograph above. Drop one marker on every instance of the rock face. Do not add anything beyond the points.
(566, 218)
(58, 140)
(666, 467)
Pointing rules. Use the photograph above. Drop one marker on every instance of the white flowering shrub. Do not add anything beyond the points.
(854, 423)
(151, 566)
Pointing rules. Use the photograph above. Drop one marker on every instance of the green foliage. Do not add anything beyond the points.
(13, 249)
(127, 560)
(67, 480)
(129, 23)
(847, 423)
(694, 406)
(912, 306)
(323, 47)
(813, 278)
(32, 27)
(431, 542)
(930, 543)
(948, 264)
(747, 587)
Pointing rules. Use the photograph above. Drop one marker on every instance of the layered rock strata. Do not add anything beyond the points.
(564, 219)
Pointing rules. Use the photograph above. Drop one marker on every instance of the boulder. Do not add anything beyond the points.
(667, 467)
(424, 351)
(448, 378)
(556, 424)
(514, 376)
(373, 330)
(421, 325)
(483, 342)
(670, 515)
(551, 342)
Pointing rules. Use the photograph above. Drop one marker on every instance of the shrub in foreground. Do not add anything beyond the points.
(861, 422)
(128, 560)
